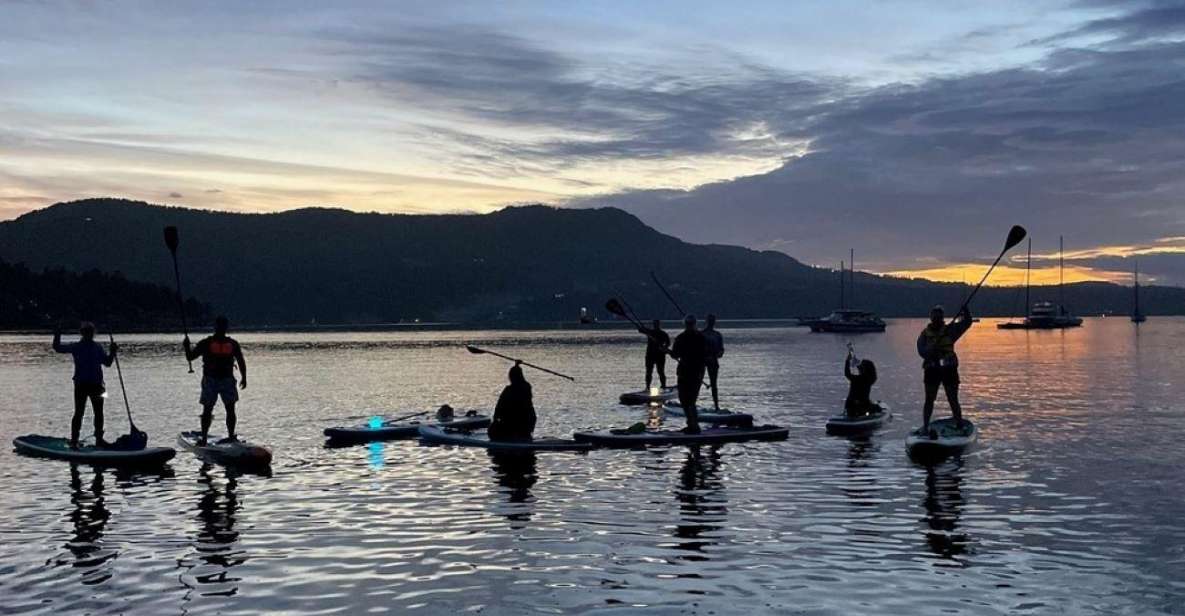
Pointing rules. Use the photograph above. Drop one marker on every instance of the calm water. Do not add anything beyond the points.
(1072, 504)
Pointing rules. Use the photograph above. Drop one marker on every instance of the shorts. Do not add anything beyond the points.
(214, 388)
(947, 376)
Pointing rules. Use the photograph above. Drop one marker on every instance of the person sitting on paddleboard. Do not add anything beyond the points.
(89, 359)
(940, 365)
(219, 355)
(859, 402)
(514, 416)
(715, 343)
(692, 351)
(658, 342)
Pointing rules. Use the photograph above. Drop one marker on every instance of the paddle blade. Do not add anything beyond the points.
(473, 349)
(171, 238)
(1015, 236)
(614, 306)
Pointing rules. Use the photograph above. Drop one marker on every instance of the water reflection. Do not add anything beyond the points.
(89, 518)
(944, 505)
(516, 474)
(861, 485)
(703, 506)
(216, 543)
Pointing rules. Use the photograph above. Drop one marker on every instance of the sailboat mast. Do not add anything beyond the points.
(852, 274)
(1028, 271)
(1061, 274)
(1137, 289)
(842, 286)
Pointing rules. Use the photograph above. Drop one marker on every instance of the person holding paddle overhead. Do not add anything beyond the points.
(715, 344)
(219, 355)
(691, 350)
(940, 364)
(89, 359)
(861, 380)
(658, 342)
(514, 416)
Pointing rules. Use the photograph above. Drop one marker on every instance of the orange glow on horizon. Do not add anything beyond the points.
(1011, 276)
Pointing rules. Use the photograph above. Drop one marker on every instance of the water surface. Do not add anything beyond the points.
(1072, 504)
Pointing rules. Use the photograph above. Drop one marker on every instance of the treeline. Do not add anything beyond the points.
(43, 300)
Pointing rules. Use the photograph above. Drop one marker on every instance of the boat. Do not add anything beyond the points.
(58, 448)
(843, 425)
(378, 430)
(1044, 314)
(234, 453)
(723, 417)
(586, 318)
(441, 436)
(846, 320)
(1137, 316)
(654, 395)
(944, 439)
(707, 436)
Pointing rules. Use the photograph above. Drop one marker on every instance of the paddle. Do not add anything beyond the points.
(477, 351)
(1015, 236)
(138, 438)
(669, 296)
(405, 417)
(171, 240)
(614, 306)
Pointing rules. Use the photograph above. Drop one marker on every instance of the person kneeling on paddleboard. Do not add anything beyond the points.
(219, 355)
(89, 359)
(859, 402)
(940, 364)
(514, 416)
(691, 350)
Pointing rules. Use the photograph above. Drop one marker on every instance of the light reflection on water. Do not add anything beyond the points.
(1070, 505)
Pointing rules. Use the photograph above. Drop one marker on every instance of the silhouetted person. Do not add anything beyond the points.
(658, 343)
(860, 383)
(514, 417)
(89, 359)
(940, 365)
(219, 355)
(715, 343)
(691, 351)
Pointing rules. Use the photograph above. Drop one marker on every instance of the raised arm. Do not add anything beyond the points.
(242, 365)
(193, 352)
(109, 356)
(847, 367)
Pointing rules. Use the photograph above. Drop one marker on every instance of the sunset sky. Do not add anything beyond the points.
(916, 132)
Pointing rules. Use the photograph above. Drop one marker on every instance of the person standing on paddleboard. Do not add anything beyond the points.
(940, 364)
(219, 355)
(89, 359)
(715, 351)
(691, 350)
(658, 342)
(514, 417)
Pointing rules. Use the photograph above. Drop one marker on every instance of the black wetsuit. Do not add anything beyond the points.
(658, 342)
(514, 417)
(691, 350)
(859, 400)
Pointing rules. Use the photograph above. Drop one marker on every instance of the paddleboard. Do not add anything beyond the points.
(230, 453)
(434, 434)
(723, 417)
(398, 430)
(708, 436)
(842, 424)
(951, 439)
(59, 449)
(644, 396)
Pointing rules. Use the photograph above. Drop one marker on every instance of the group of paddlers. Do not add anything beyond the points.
(697, 352)
(219, 354)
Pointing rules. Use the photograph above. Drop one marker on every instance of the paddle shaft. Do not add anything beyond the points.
(519, 361)
(682, 313)
(180, 300)
(391, 421)
(126, 405)
(971, 295)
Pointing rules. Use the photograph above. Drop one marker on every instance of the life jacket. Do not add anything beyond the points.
(942, 342)
(221, 348)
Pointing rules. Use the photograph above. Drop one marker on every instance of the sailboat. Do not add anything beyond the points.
(1137, 316)
(1045, 314)
(846, 320)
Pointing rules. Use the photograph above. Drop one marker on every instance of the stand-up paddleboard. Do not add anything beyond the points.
(645, 397)
(440, 436)
(228, 453)
(402, 429)
(59, 449)
(944, 439)
(708, 436)
(723, 417)
(861, 424)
